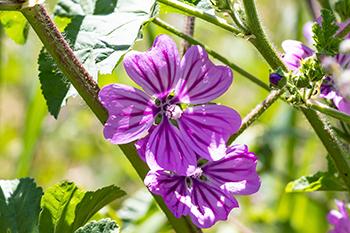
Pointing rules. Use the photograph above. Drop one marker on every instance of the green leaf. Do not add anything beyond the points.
(321, 181)
(15, 25)
(19, 206)
(66, 207)
(54, 84)
(326, 41)
(100, 33)
(102, 226)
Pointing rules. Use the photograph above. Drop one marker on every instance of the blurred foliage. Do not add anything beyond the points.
(33, 143)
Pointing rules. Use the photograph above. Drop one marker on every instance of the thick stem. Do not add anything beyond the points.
(259, 38)
(256, 113)
(190, 10)
(188, 30)
(11, 5)
(333, 145)
(216, 55)
(88, 90)
(320, 126)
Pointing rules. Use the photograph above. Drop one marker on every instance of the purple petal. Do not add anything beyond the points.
(342, 104)
(131, 113)
(167, 150)
(295, 51)
(327, 89)
(200, 80)
(210, 204)
(208, 127)
(155, 70)
(236, 172)
(307, 32)
(141, 144)
(334, 216)
(173, 190)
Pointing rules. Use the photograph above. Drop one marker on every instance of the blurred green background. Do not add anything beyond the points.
(33, 143)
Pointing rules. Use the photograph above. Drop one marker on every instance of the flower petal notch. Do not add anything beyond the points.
(205, 193)
(156, 70)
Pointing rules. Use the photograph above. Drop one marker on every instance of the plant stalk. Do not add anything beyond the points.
(88, 89)
(193, 11)
(256, 113)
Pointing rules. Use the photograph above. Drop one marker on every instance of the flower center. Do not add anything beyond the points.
(173, 111)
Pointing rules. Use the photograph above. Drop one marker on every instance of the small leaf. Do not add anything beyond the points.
(102, 226)
(19, 206)
(54, 84)
(66, 207)
(321, 181)
(15, 25)
(326, 41)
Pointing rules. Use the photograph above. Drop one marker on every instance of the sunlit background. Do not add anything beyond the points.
(33, 143)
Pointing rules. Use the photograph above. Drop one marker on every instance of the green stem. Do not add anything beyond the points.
(216, 55)
(193, 11)
(320, 107)
(334, 147)
(320, 126)
(11, 5)
(88, 90)
(256, 113)
(259, 39)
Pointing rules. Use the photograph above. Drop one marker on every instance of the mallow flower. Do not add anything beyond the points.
(206, 193)
(172, 111)
(339, 219)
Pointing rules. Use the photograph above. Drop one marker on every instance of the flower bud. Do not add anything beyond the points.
(277, 80)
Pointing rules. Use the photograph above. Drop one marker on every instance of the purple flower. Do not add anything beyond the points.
(170, 86)
(206, 193)
(295, 52)
(339, 219)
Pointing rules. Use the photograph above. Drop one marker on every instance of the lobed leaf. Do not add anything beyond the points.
(65, 207)
(326, 41)
(19, 206)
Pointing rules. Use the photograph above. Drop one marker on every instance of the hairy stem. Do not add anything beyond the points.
(259, 38)
(216, 55)
(320, 126)
(190, 10)
(256, 113)
(332, 144)
(88, 90)
(188, 30)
